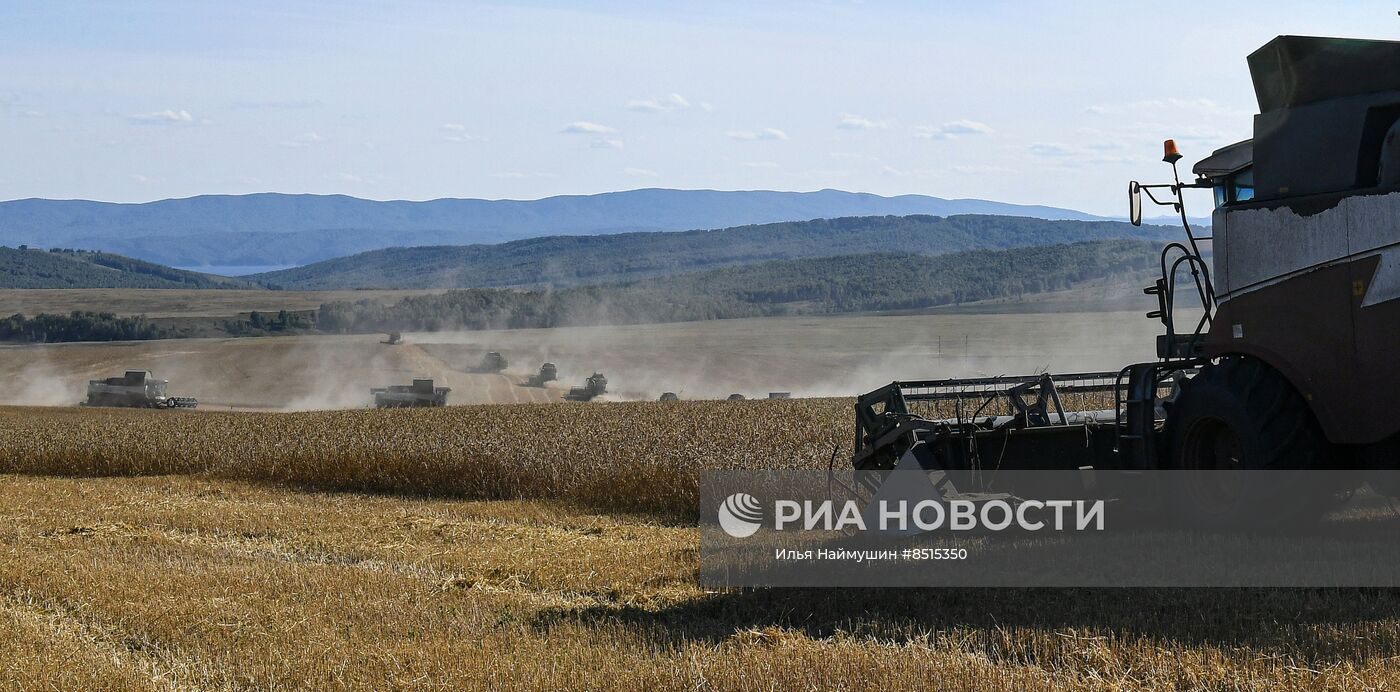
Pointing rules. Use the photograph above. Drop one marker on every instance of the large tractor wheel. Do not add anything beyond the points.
(1241, 415)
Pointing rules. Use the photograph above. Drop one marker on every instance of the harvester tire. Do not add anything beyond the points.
(1240, 414)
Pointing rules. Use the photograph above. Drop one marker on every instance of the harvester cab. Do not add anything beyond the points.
(1279, 324)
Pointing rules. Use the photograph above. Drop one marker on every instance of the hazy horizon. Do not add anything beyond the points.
(1018, 102)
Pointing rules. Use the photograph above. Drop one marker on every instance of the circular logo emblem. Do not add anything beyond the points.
(740, 515)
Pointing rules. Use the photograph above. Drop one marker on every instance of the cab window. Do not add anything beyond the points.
(1235, 188)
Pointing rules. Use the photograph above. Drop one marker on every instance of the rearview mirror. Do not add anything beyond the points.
(1135, 203)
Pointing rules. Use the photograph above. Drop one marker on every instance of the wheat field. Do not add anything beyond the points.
(543, 547)
(809, 356)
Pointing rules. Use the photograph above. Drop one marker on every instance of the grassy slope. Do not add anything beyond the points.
(81, 269)
(571, 260)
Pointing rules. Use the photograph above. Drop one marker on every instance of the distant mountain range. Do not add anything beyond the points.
(561, 261)
(280, 229)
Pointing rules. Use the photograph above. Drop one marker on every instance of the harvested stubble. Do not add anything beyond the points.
(187, 583)
(642, 456)
(200, 582)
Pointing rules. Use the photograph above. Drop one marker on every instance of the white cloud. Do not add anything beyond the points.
(893, 172)
(1142, 141)
(303, 140)
(165, 117)
(607, 143)
(1155, 108)
(856, 122)
(706, 106)
(457, 132)
(350, 177)
(144, 179)
(767, 133)
(640, 172)
(1103, 145)
(953, 130)
(658, 104)
(759, 164)
(583, 127)
(1050, 149)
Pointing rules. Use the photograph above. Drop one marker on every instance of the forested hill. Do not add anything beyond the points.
(858, 283)
(573, 260)
(277, 229)
(30, 268)
(823, 285)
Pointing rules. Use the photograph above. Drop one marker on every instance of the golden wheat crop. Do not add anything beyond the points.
(186, 583)
(642, 456)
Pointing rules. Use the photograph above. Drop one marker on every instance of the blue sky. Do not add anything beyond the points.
(1014, 101)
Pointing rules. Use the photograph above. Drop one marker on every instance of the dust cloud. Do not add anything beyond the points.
(807, 356)
(40, 383)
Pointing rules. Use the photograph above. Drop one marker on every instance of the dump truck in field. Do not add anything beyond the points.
(134, 389)
(594, 386)
(421, 393)
(1278, 338)
(548, 373)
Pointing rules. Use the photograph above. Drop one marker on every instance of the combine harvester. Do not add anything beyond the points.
(419, 394)
(548, 373)
(492, 362)
(135, 389)
(1286, 359)
(594, 386)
